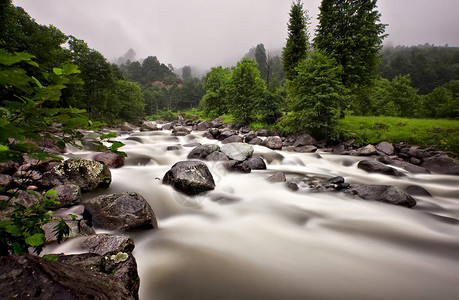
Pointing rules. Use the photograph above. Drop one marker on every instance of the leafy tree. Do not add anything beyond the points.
(262, 61)
(152, 98)
(441, 103)
(404, 96)
(316, 96)
(245, 91)
(350, 31)
(129, 100)
(215, 85)
(298, 40)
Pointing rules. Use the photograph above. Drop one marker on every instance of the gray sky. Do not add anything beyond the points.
(214, 32)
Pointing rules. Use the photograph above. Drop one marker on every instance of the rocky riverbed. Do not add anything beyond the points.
(223, 212)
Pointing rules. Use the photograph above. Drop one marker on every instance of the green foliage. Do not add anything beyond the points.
(262, 61)
(245, 92)
(129, 100)
(215, 83)
(316, 95)
(441, 103)
(424, 132)
(298, 40)
(350, 32)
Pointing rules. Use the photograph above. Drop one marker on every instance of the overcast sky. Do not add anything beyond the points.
(214, 32)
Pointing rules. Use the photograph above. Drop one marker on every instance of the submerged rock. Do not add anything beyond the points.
(87, 174)
(381, 193)
(123, 211)
(190, 177)
(28, 276)
(373, 166)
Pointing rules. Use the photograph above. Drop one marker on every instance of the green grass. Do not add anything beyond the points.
(423, 132)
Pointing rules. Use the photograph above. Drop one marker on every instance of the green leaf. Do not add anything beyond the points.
(61, 230)
(50, 257)
(69, 69)
(4, 148)
(35, 240)
(14, 230)
(50, 193)
(74, 217)
(37, 82)
(57, 71)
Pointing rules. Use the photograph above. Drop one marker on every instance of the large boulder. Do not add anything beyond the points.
(273, 142)
(237, 151)
(202, 151)
(255, 163)
(217, 156)
(205, 125)
(123, 211)
(127, 127)
(226, 133)
(304, 140)
(149, 126)
(87, 174)
(385, 148)
(381, 193)
(67, 195)
(105, 243)
(232, 139)
(442, 165)
(110, 159)
(28, 276)
(373, 166)
(190, 177)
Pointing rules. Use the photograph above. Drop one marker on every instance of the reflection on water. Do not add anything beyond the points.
(252, 239)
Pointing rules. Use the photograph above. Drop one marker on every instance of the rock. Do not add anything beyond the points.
(87, 174)
(217, 122)
(77, 228)
(110, 159)
(121, 266)
(149, 126)
(245, 130)
(127, 127)
(381, 193)
(6, 182)
(208, 135)
(277, 177)
(415, 190)
(442, 165)
(180, 131)
(217, 156)
(28, 276)
(226, 133)
(167, 126)
(306, 149)
(409, 167)
(414, 151)
(255, 163)
(365, 151)
(385, 148)
(173, 148)
(292, 186)
(234, 165)
(9, 168)
(190, 177)
(273, 142)
(68, 195)
(373, 166)
(256, 141)
(202, 151)
(215, 132)
(232, 139)
(250, 136)
(304, 140)
(105, 243)
(336, 180)
(26, 199)
(205, 125)
(123, 211)
(415, 161)
(262, 132)
(237, 151)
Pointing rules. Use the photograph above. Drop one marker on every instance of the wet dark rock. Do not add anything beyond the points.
(262, 132)
(87, 174)
(416, 152)
(9, 168)
(273, 142)
(232, 139)
(277, 177)
(217, 156)
(237, 151)
(381, 193)
(250, 136)
(127, 127)
(175, 147)
(217, 122)
(26, 199)
(336, 180)
(409, 167)
(415, 190)
(110, 159)
(256, 141)
(67, 195)
(292, 186)
(215, 132)
(106, 243)
(415, 161)
(149, 126)
(208, 135)
(255, 163)
(305, 149)
(121, 266)
(385, 148)
(180, 131)
(226, 133)
(205, 125)
(236, 166)
(202, 151)
(304, 140)
(190, 177)
(135, 138)
(442, 165)
(28, 276)
(244, 130)
(373, 166)
(77, 228)
(6, 182)
(123, 211)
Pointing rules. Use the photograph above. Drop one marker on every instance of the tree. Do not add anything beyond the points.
(215, 85)
(350, 31)
(316, 96)
(298, 40)
(262, 61)
(186, 72)
(404, 96)
(129, 100)
(246, 90)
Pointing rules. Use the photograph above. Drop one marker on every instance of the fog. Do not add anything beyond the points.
(207, 33)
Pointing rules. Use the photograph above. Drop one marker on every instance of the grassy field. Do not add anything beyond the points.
(424, 132)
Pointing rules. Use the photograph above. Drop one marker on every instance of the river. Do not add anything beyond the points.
(253, 239)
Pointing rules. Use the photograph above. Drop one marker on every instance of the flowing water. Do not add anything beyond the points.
(253, 239)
